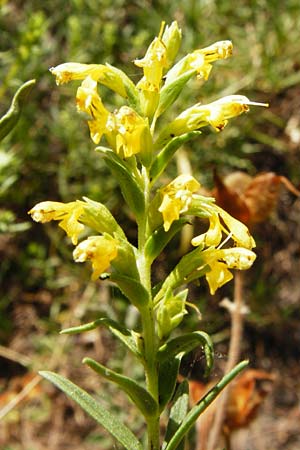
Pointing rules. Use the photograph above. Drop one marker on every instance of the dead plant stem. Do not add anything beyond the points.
(233, 357)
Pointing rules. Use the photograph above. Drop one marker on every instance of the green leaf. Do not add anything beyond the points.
(201, 406)
(163, 158)
(112, 424)
(171, 91)
(10, 119)
(186, 343)
(177, 413)
(160, 238)
(140, 397)
(132, 289)
(123, 334)
(131, 191)
(168, 372)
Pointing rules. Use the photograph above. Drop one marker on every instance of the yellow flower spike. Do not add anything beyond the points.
(177, 196)
(67, 213)
(213, 235)
(217, 276)
(130, 128)
(100, 250)
(89, 101)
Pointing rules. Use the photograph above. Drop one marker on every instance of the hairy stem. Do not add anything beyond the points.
(148, 323)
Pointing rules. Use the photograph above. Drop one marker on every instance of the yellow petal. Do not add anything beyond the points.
(218, 276)
(100, 250)
(67, 213)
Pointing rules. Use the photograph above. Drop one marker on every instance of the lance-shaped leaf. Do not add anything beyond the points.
(140, 397)
(98, 217)
(125, 335)
(168, 372)
(171, 91)
(201, 406)
(132, 289)
(186, 343)
(10, 119)
(111, 423)
(160, 238)
(163, 158)
(131, 191)
(177, 413)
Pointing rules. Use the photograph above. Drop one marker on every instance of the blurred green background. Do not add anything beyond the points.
(49, 156)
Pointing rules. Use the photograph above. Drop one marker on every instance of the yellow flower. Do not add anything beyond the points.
(64, 73)
(153, 64)
(201, 59)
(67, 213)
(239, 231)
(177, 196)
(213, 235)
(107, 75)
(220, 260)
(89, 101)
(217, 113)
(233, 227)
(130, 129)
(100, 250)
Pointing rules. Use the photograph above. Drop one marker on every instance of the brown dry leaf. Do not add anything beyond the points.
(245, 396)
(16, 385)
(250, 200)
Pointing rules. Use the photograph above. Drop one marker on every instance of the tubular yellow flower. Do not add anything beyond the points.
(100, 250)
(109, 76)
(220, 260)
(177, 196)
(64, 73)
(215, 114)
(201, 59)
(67, 213)
(153, 64)
(130, 129)
(213, 235)
(238, 232)
(89, 101)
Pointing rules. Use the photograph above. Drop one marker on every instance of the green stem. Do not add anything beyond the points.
(148, 321)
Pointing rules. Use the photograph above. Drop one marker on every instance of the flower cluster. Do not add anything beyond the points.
(138, 153)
